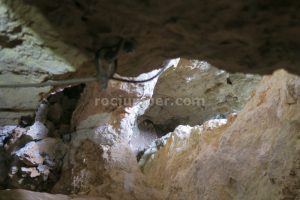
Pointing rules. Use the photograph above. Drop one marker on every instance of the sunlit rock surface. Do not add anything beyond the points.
(250, 155)
(101, 160)
(195, 91)
(106, 128)
(255, 156)
(181, 132)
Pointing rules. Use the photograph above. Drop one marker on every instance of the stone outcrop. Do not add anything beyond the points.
(254, 156)
(194, 91)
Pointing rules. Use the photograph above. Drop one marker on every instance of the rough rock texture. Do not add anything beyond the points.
(37, 131)
(39, 39)
(101, 159)
(255, 156)
(252, 155)
(29, 195)
(194, 91)
(263, 35)
(181, 132)
(26, 58)
(36, 166)
(31, 156)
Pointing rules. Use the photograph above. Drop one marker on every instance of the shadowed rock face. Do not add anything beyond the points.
(241, 36)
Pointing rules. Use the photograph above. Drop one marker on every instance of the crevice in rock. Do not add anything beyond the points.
(6, 42)
(194, 92)
(32, 153)
(174, 95)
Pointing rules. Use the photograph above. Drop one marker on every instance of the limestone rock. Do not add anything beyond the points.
(32, 171)
(100, 161)
(17, 139)
(244, 36)
(29, 195)
(181, 132)
(5, 132)
(87, 168)
(37, 131)
(30, 154)
(149, 152)
(194, 91)
(41, 113)
(13, 118)
(26, 59)
(19, 194)
(254, 156)
(44, 170)
(38, 165)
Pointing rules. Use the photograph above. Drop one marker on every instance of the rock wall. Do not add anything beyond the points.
(243, 36)
(195, 91)
(254, 156)
(43, 39)
(32, 153)
(26, 57)
(108, 136)
(101, 161)
(250, 155)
